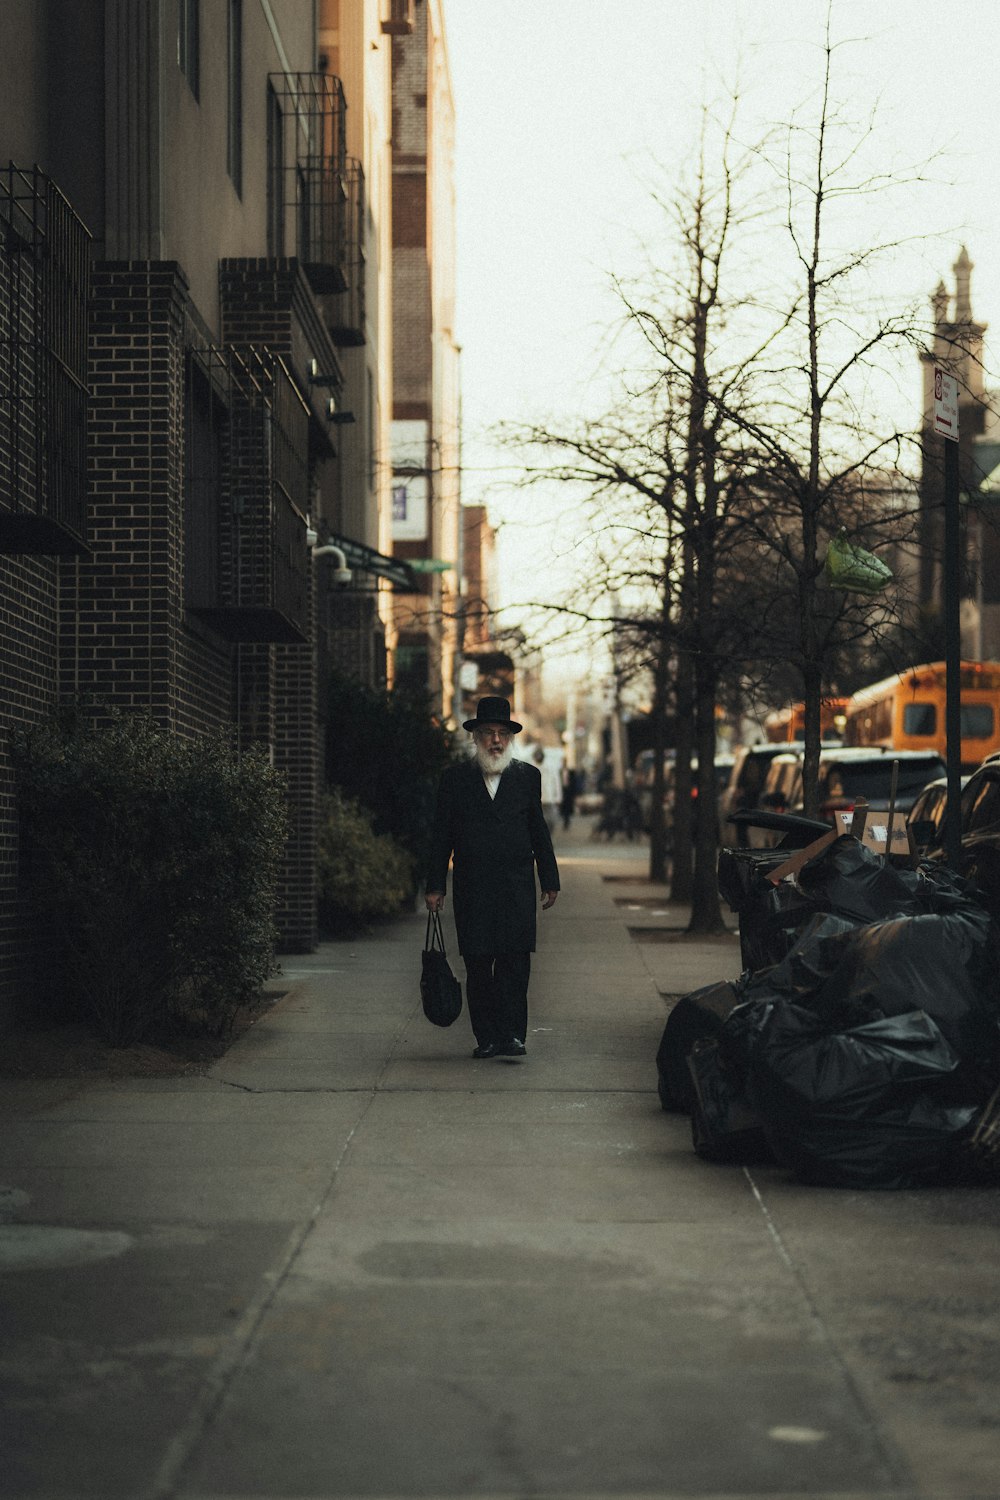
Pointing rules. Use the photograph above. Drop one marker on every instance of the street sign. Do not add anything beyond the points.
(945, 404)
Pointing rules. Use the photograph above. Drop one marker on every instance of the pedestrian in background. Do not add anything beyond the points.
(551, 787)
(489, 819)
(570, 789)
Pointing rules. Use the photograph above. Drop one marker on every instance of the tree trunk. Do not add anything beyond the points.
(680, 831)
(706, 913)
(657, 826)
(812, 688)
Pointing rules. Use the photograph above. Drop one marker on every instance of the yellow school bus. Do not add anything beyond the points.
(786, 725)
(906, 712)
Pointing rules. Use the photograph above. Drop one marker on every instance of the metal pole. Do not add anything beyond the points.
(892, 810)
(953, 655)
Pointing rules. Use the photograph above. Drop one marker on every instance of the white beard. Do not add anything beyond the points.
(491, 765)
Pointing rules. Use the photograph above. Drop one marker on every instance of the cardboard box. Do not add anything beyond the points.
(874, 831)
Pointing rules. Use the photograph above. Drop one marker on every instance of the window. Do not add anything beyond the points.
(234, 100)
(188, 41)
(412, 666)
(397, 17)
(919, 718)
(873, 779)
(205, 440)
(275, 176)
(976, 721)
(246, 490)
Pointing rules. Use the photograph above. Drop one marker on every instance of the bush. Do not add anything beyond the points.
(362, 874)
(153, 860)
(387, 751)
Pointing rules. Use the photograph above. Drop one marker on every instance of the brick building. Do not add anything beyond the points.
(487, 666)
(195, 370)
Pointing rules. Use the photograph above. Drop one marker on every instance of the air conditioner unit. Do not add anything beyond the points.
(397, 17)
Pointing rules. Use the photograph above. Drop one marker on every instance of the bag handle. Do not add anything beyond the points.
(434, 937)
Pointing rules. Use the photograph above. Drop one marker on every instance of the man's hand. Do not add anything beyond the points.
(548, 899)
(434, 900)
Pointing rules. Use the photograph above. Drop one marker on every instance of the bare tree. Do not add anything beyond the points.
(726, 471)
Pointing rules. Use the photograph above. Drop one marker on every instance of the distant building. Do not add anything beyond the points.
(957, 346)
(426, 450)
(195, 367)
(487, 667)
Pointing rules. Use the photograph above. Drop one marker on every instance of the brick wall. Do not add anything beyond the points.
(28, 593)
(118, 615)
(268, 302)
(111, 626)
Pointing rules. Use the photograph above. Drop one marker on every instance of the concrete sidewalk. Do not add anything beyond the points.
(353, 1261)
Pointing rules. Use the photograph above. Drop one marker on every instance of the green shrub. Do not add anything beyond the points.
(362, 874)
(387, 750)
(153, 861)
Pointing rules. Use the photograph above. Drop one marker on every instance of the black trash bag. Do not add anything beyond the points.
(440, 991)
(941, 889)
(693, 1018)
(770, 915)
(769, 930)
(723, 1127)
(944, 964)
(813, 955)
(739, 1034)
(979, 1157)
(849, 880)
(877, 1106)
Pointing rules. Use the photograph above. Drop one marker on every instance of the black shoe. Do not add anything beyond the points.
(487, 1049)
(514, 1048)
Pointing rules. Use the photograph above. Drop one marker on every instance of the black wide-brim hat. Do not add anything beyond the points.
(493, 711)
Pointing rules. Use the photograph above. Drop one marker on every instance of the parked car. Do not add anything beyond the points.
(745, 787)
(780, 785)
(980, 856)
(723, 771)
(925, 820)
(845, 777)
(642, 780)
(865, 774)
(848, 776)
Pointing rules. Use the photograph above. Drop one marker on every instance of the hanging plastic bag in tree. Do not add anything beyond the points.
(853, 569)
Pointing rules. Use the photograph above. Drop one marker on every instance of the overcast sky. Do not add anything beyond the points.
(564, 106)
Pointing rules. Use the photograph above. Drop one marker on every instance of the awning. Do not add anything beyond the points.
(366, 560)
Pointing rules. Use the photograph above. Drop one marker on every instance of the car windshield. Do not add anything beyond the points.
(754, 772)
(873, 779)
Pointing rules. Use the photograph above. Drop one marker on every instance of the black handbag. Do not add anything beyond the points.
(440, 991)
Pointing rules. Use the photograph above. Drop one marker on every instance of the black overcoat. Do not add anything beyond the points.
(495, 844)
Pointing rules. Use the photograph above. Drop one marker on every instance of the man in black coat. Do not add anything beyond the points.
(489, 818)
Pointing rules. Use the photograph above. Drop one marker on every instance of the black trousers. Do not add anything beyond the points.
(496, 988)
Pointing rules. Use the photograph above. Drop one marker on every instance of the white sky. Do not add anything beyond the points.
(562, 107)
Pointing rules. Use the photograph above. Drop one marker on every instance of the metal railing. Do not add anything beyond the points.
(347, 314)
(246, 474)
(44, 290)
(312, 158)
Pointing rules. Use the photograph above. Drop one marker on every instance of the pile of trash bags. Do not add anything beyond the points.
(861, 1045)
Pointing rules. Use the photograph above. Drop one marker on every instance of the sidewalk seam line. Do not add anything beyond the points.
(899, 1470)
(226, 1367)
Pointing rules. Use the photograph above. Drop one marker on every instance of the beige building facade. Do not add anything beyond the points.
(426, 439)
